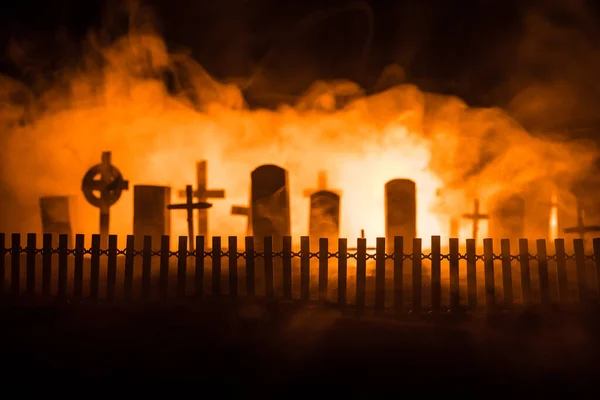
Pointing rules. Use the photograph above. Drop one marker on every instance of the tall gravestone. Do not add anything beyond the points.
(56, 216)
(400, 211)
(150, 214)
(270, 202)
(507, 218)
(324, 216)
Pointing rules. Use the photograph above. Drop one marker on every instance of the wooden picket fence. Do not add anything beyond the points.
(273, 274)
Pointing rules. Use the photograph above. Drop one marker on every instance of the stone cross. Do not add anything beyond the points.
(581, 229)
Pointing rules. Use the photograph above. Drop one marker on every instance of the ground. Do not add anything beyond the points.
(277, 349)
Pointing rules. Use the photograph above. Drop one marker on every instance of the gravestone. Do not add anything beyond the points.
(400, 212)
(150, 214)
(270, 204)
(324, 217)
(507, 218)
(56, 217)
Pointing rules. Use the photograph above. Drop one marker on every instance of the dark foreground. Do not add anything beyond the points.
(270, 351)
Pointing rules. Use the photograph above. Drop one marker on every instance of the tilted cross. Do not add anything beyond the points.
(581, 229)
(476, 217)
(321, 185)
(202, 194)
(190, 206)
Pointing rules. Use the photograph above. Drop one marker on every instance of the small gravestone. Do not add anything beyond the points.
(150, 214)
(400, 211)
(56, 216)
(324, 217)
(270, 204)
(507, 218)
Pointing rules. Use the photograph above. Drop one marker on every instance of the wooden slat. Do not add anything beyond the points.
(361, 275)
(233, 266)
(2, 264)
(111, 272)
(78, 269)
(542, 257)
(525, 271)
(304, 268)
(561, 271)
(199, 268)
(596, 244)
(471, 274)
(436, 274)
(63, 262)
(31, 245)
(398, 273)
(163, 275)
(417, 277)
(216, 266)
(506, 273)
(129, 260)
(268, 251)
(181, 266)
(578, 245)
(250, 271)
(342, 272)
(454, 275)
(95, 267)
(380, 274)
(323, 268)
(287, 268)
(146, 267)
(488, 265)
(46, 264)
(15, 264)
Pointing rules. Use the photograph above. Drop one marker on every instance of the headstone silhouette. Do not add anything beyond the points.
(56, 216)
(150, 214)
(400, 211)
(324, 217)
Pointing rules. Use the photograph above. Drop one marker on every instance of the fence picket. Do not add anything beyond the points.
(436, 274)
(488, 263)
(95, 267)
(111, 273)
(398, 273)
(199, 268)
(216, 266)
(578, 245)
(471, 274)
(146, 267)
(163, 276)
(250, 272)
(596, 245)
(380, 274)
(454, 275)
(128, 275)
(181, 266)
(287, 268)
(525, 272)
(305, 268)
(63, 262)
(2, 263)
(31, 250)
(46, 264)
(78, 272)
(268, 252)
(417, 265)
(542, 258)
(361, 275)
(323, 268)
(342, 272)
(233, 266)
(15, 264)
(561, 271)
(506, 273)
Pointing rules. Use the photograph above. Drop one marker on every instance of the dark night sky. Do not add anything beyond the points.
(471, 48)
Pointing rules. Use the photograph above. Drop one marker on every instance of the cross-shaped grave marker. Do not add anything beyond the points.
(202, 194)
(581, 229)
(476, 217)
(190, 206)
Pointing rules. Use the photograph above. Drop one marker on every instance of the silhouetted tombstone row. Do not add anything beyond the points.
(268, 212)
